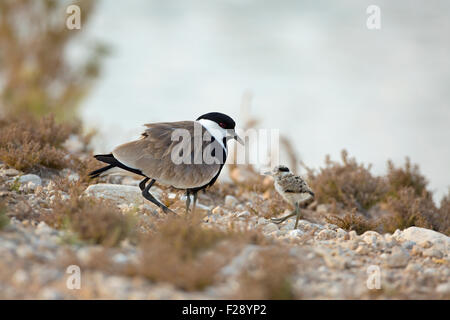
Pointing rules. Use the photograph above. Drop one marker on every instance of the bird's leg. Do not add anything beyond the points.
(142, 183)
(297, 210)
(195, 202)
(146, 194)
(280, 220)
(188, 201)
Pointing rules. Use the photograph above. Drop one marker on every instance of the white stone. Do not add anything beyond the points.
(20, 277)
(269, 228)
(30, 186)
(408, 244)
(413, 267)
(296, 233)
(74, 144)
(25, 179)
(420, 235)
(120, 258)
(73, 177)
(117, 193)
(24, 251)
(443, 288)
(263, 221)
(11, 172)
(244, 214)
(326, 234)
(43, 229)
(240, 261)
(322, 208)
(432, 253)
(353, 235)
(363, 250)
(230, 201)
(398, 258)
(341, 233)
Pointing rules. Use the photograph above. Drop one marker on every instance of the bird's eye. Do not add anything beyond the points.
(222, 125)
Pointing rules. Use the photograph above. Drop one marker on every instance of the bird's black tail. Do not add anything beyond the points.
(98, 172)
(106, 158)
(112, 163)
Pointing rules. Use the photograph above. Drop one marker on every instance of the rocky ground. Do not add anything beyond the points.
(329, 262)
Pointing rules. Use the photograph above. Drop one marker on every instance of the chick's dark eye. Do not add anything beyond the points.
(222, 125)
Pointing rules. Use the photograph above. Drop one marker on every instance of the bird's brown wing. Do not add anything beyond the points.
(154, 154)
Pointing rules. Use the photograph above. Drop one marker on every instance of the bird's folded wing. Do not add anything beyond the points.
(294, 184)
(153, 154)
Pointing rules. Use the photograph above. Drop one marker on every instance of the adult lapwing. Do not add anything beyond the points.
(187, 155)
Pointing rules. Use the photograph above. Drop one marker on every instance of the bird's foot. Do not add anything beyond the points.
(166, 210)
(282, 219)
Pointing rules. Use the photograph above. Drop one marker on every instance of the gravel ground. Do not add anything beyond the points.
(331, 263)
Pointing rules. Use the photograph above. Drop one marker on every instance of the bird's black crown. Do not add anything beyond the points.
(221, 119)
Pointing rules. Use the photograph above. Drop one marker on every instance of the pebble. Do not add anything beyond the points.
(363, 250)
(244, 214)
(443, 288)
(43, 229)
(420, 235)
(11, 172)
(120, 258)
(353, 235)
(230, 201)
(413, 267)
(24, 251)
(296, 233)
(217, 210)
(433, 253)
(397, 259)
(270, 227)
(263, 221)
(322, 208)
(326, 234)
(371, 237)
(120, 194)
(74, 177)
(408, 244)
(25, 179)
(426, 244)
(341, 233)
(20, 277)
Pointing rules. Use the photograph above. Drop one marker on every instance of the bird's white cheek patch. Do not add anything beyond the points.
(215, 130)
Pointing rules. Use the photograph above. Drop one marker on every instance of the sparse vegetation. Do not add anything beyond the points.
(352, 221)
(408, 176)
(92, 220)
(349, 184)
(37, 78)
(408, 210)
(30, 145)
(4, 220)
(444, 214)
(353, 191)
(179, 252)
(269, 276)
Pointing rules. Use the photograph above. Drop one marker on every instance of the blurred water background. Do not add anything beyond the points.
(313, 68)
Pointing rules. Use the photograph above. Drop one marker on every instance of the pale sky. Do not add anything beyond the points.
(314, 69)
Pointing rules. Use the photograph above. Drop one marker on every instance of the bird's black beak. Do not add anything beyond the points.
(236, 137)
(311, 193)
